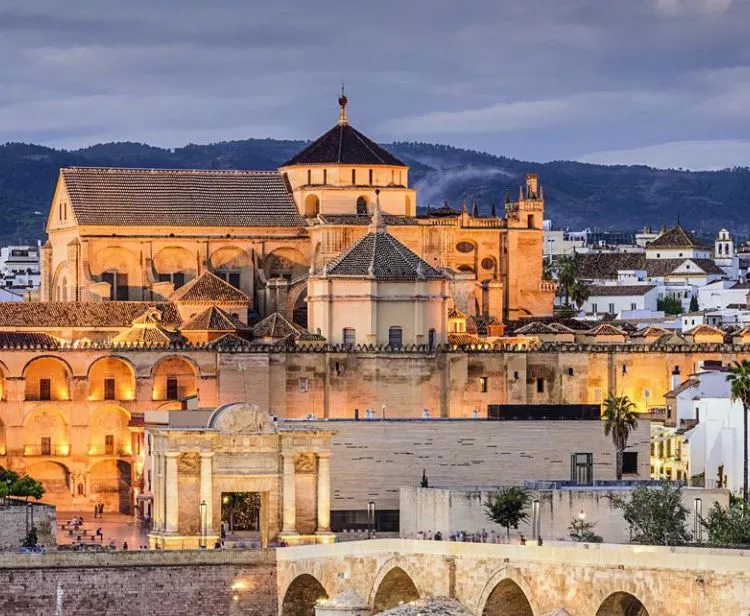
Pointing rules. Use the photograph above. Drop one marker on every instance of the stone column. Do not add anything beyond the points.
(207, 488)
(289, 526)
(171, 492)
(156, 492)
(324, 493)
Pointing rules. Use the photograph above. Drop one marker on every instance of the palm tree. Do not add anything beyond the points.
(579, 293)
(619, 420)
(739, 378)
(566, 274)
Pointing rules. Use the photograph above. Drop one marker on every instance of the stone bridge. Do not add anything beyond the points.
(516, 580)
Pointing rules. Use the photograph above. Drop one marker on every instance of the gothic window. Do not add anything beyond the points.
(361, 206)
(118, 285)
(395, 336)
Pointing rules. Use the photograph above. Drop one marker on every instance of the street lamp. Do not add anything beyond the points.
(697, 517)
(535, 522)
(203, 507)
(370, 519)
(582, 515)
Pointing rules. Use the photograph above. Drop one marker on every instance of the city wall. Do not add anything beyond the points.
(155, 583)
(454, 510)
(15, 521)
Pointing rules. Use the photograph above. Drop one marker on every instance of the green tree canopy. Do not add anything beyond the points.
(727, 525)
(25, 487)
(507, 507)
(739, 380)
(620, 420)
(582, 531)
(656, 516)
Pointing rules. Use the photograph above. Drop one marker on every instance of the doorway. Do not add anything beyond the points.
(240, 513)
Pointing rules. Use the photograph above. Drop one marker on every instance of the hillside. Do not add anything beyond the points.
(578, 195)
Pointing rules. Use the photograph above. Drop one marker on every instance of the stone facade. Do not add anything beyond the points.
(237, 583)
(15, 521)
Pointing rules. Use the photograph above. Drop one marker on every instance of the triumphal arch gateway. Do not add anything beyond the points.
(239, 467)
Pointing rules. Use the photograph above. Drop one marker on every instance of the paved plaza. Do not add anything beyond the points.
(115, 527)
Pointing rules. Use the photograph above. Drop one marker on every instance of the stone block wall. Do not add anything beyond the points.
(139, 584)
(13, 525)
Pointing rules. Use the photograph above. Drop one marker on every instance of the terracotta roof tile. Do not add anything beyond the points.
(677, 237)
(81, 314)
(208, 287)
(617, 289)
(185, 197)
(23, 339)
(215, 319)
(276, 326)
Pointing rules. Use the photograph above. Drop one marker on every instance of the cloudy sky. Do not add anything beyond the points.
(660, 82)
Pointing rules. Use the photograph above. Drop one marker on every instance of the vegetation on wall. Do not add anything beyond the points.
(507, 507)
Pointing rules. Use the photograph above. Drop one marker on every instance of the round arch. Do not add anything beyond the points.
(113, 259)
(110, 483)
(56, 288)
(312, 206)
(109, 433)
(362, 205)
(394, 583)
(174, 259)
(47, 377)
(175, 377)
(510, 587)
(116, 368)
(188, 360)
(68, 369)
(286, 263)
(622, 603)
(302, 595)
(54, 476)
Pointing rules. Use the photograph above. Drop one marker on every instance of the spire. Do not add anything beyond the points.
(507, 196)
(493, 211)
(342, 107)
(474, 210)
(378, 223)
(464, 209)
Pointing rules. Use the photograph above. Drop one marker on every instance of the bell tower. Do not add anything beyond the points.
(528, 211)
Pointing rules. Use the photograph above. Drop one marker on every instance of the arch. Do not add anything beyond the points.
(3, 448)
(175, 377)
(54, 476)
(113, 259)
(393, 588)
(298, 305)
(622, 603)
(513, 593)
(175, 264)
(110, 483)
(109, 433)
(56, 288)
(286, 263)
(362, 205)
(302, 595)
(312, 206)
(47, 378)
(117, 368)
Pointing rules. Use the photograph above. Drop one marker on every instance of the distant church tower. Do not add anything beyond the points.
(724, 255)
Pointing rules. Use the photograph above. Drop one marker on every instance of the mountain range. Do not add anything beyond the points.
(577, 195)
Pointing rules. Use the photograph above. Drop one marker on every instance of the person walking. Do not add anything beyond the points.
(124, 545)
(96, 511)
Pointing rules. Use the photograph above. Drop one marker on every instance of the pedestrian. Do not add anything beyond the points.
(438, 536)
(100, 534)
(96, 511)
(539, 541)
(484, 535)
(522, 540)
(101, 510)
(217, 544)
(124, 545)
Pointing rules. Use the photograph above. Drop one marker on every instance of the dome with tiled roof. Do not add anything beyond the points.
(208, 287)
(344, 145)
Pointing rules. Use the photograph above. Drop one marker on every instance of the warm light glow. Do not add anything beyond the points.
(64, 449)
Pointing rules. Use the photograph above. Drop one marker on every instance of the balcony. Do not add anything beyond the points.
(46, 451)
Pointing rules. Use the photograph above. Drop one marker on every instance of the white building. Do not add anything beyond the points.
(20, 269)
(725, 256)
(618, 299)
(724, 294)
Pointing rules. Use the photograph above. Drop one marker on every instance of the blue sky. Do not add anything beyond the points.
(659, 82)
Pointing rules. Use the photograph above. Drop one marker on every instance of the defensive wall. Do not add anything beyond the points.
(153, 583)
(17, 517)
(516, 580)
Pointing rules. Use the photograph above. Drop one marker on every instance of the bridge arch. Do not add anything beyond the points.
(301, 596)
(393, 586)
(507, 593)
(622, 603)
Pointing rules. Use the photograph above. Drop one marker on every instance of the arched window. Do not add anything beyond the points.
(312, 206)
(395, 336)
(349, 336)
(361, 206)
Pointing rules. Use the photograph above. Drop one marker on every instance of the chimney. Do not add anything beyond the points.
(676, 379)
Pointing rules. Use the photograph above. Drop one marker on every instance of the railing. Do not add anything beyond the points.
(548, 285)
(52, 450)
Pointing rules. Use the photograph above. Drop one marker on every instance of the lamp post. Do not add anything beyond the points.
(697, 516)
(535, 519)
(202, 542)
(582, 515)
(29, 517)
(370, 519)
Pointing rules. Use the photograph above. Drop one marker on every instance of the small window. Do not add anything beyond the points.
(488, 263)
(309, 177)
(109, 444)
(350, 336)
(149, 480)
(597, 395)
(630, 463)
(45, 389)
(530, 221)
(465, 247)
(361, 206)
(633, 306)
(46, 446)
(570, 372)
(354, 177)
(109, 389)
(540, 386)
(483, 384)
(611, 309)
(395, 336)
(303, 385)
(516, 376)
(431, 338)
(370, 177)
(325, 176)
(594, 308)
(172, 390)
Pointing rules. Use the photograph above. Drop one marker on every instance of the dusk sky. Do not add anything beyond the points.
(659, 82)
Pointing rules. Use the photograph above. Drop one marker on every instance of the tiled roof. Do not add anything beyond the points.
(703, 330)
(612, 290)
(146, 334)
(276, 326)
(214, 319)
(651, 332)
(605, 265)
(459, 339)
(208, 287)
(81, 314)
(344, 145)
(677, 237)
(605, 329)
(193, 198)
(535, 328)
(572, 324)
(382, 256)
(229, 341)
(455, 313)
(363, 220)
(23, 339)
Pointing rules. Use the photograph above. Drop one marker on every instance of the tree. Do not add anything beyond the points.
(739, 379)
(31, 540)
(727, 525)
(669, 305)
(25, 487)
(566, 274)
(694, 304)
(619, 421)
(656, 516)
(7, 479)
(424, 482)
(579, 293)
(583, 532)
(507, 507)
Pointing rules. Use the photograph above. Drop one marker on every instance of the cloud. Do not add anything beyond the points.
(680, 7)
(693, 155)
